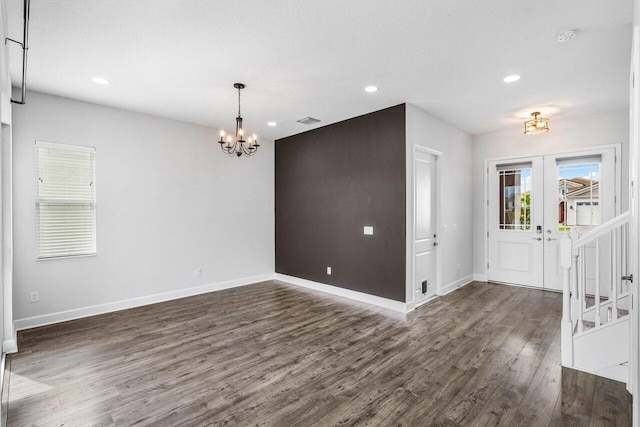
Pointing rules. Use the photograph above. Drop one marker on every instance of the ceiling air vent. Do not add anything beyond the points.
(309, 121)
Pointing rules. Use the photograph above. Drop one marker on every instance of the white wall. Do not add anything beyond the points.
(603, 129)
(454, 164)
(168, 202)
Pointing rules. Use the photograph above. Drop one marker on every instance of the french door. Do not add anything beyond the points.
(516, 246)
(533, 200)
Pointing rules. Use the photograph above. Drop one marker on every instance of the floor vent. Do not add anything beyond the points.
(309, 121)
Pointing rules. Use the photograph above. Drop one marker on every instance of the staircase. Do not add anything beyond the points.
(597, 300)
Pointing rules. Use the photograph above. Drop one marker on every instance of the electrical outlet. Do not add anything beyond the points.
(199, 272)
(368, 230)
(329, 271)
(33, 296)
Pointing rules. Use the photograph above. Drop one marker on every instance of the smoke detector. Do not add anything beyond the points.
(309, 121)
(566, 35)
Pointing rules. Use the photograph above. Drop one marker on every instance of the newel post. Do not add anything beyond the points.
(566, 329)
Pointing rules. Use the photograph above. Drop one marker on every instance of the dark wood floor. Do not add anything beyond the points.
(272, 354)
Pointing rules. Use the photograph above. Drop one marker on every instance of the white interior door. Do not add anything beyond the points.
(424, 238)
(515, 217)
(579, 193)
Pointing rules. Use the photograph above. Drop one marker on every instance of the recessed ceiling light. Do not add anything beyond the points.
(566, 35)
(100, 80)
(512, 78)
(371, 89)
(272, 124)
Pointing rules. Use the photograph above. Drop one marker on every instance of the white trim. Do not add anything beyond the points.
(67, 147)
(427, 150)
(390, 304)
(3, 364)
(457, 284)
(594, 148)
(633, 385)
(78, 313)
(604, 373)
(448, 289)
(424, 301)
(6, 190)
(11, 346)
(516, 285)
(479, 277)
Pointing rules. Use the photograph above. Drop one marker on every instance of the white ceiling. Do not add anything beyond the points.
(298, 58)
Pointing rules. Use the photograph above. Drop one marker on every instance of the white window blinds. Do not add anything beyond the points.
(65, 200)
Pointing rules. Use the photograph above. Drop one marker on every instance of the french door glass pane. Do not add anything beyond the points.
(515, 199)
(578, 196)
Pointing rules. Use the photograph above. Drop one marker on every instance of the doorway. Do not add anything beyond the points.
(424, 237)
(532, 201)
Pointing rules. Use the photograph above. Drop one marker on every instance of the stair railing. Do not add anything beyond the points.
(611, 240)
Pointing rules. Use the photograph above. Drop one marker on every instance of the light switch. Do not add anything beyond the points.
(329, 270)
(445, 228)
(368, 230)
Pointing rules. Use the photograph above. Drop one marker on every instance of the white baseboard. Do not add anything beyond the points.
(63, 316)
(10, 346)
(479, 277)
(457, 284)
(390, 304)
(423, 302)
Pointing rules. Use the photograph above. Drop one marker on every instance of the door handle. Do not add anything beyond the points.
(629, 278)
(435, 243)
(536, 238)
(550, 239)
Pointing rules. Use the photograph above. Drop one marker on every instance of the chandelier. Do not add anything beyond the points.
(536, 125)
(237, 146)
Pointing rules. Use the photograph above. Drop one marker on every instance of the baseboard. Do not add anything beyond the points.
(63, 316)
(479, 277)
(4, 391)
(10, 346)
(390, 304)
(618, 373)
(423, 302)
(457, 284)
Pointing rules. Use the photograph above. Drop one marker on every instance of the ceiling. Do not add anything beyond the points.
(299, 58)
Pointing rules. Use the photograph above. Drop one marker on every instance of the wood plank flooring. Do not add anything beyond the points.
(271, 354)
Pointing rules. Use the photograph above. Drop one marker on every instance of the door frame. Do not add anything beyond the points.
(579, 151)
(411, 223)
(633, 385)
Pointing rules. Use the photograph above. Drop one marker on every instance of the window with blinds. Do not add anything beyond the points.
(65, 201)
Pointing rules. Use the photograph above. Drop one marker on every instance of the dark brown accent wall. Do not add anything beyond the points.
(330, 183)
